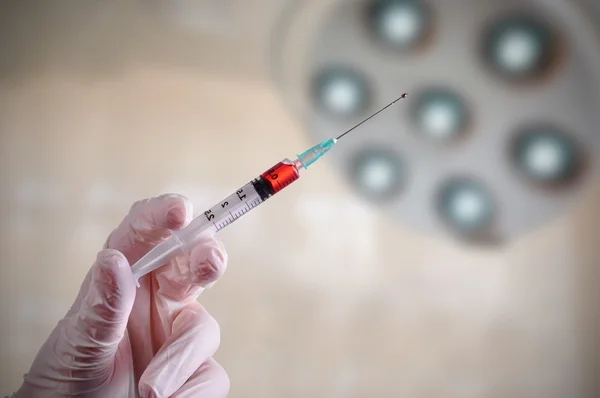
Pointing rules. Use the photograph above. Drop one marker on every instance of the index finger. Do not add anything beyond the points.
(148, 223)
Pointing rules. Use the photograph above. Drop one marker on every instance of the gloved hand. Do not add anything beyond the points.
(117, 340)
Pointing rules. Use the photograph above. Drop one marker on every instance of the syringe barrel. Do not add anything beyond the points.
(157, 257)
(219, 216)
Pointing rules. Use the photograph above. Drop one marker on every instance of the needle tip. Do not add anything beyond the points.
(401, 97)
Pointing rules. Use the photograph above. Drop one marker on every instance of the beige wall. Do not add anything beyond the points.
(350, 305)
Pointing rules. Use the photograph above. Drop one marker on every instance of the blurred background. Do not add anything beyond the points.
(447, 249)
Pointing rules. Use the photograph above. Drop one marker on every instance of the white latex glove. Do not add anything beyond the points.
(120, 341)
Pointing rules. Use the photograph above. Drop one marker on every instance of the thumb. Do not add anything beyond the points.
(101, 321)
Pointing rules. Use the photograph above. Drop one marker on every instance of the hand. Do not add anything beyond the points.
(117, 340)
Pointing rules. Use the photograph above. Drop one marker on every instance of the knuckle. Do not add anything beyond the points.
(206, 327)
(136, 205)
(208, 330)
(220, 377)
(212, 327)
(172, 196)
(174, 200)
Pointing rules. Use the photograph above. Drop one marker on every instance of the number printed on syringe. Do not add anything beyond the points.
(233, 207)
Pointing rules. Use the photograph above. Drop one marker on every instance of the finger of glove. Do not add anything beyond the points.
(195, 338)
(148, 223)
(185, 279)
(83, 290)
(95, 332)
(209, 381)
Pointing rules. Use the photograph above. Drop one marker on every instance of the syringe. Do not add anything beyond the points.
(236, 205)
